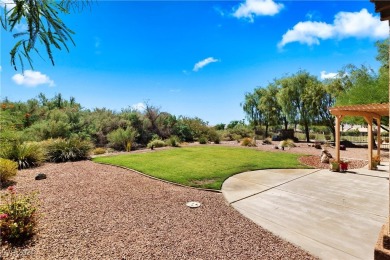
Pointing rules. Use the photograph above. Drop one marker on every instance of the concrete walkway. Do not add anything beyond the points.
(331, 215)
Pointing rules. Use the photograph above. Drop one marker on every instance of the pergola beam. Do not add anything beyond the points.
(355, 113)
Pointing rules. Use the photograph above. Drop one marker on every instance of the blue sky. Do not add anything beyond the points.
(195, 58)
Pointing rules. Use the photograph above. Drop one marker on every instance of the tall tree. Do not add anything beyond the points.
(251, 107)
(298, 98)
(270, 107)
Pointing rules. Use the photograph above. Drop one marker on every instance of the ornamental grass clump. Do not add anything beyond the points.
(8, 169)
(248, 142)
(26, 155)
(289, 143)
(173, 141)
(18, 214)
(99, 150)
(64, 150)
(156, 143)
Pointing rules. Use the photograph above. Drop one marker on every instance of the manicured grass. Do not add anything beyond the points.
(202, 166)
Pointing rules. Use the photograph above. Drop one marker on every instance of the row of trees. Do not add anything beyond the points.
(41, 118)
(303, 99)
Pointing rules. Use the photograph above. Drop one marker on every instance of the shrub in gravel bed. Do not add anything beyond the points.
(99, 150)
(287, 143)
(8, 169)
(173, 141)
(62, 150)
(203, 140)
(17, 216)
(156, 143)
(247, 142)
(27, 154)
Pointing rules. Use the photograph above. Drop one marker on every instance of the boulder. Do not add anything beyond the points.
(40, 176)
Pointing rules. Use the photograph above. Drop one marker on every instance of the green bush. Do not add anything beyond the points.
(312, 136)
(62, 150)
(17, 216)
(203, 140)
(8, 169)
(173, 141)
(27, 154)
(99, 150)
(156, 143)
(217, 140)
(247, 142)
(122, 139)
(328, 137)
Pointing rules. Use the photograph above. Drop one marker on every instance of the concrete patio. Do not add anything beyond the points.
(331, 215)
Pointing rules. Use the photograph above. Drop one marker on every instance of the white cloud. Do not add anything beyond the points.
(204, 63)
(251, 8)
(346, 24)
(330, 75)
(139, 106)
(32, 79)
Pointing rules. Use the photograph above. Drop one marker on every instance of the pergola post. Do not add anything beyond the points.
(378, 137)
(369, 140)
(337, 141)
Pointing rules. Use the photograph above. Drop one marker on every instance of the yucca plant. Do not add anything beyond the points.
(27, 154)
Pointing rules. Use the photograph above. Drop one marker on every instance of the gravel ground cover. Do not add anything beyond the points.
(98, 211)
(93, 211)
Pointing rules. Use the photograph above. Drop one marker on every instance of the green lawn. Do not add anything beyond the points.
(202, 166)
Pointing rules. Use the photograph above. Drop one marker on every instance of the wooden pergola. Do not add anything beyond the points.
(382, 7)
(369, 112)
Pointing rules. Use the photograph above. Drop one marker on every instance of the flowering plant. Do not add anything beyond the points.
(17, 216)
(343, 165)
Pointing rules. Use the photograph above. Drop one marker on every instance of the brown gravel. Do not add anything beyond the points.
(93, 211)
(104, 212)
(313, 161)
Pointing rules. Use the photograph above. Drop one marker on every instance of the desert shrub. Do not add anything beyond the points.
(17, 216)
(27, 154)
(203, 140)
(62, 150)
(122, 139)
(267, 140)
(287, 143)
(99, 150)
(312, 136)
(236, 137)
(8, 169)
(237, 132)
(214, 135)
(156, 143)
(328, 137)
(247, 142)
(173, 141)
